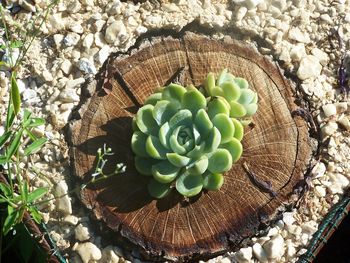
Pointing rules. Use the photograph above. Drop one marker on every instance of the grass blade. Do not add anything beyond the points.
(4, 138)
(10, 220)
(36, 122)
(14, 145)
(36, 194)
(16, 98)
(5, 189)
(36, 145)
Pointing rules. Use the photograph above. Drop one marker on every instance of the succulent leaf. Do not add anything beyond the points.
(145, 121)
(154, 148)
(164, 172)
(144, 165)
(199, 167)
(177, 159)
(157, 189)
(235, 148)
(218, 105)
(138, 142)
(194, 101)
(220, 161)
(239, 130)
(163, 111)
(212, 181)
(225, 126)
(189, 185)
(174, 93)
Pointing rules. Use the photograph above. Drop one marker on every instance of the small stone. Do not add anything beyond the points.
(88, 40)
(74, 83)
(99, 40)
(296, 34)
(298, 52)
(242, 11)
(77, 28)
(102, 55)
(30, 96)
(73, 7)
(309, 227)
(275, 247)
(116, 33)
(81, 233)
(280, 4)
(71, 39)
(88, 252)
(63, 202)
(290, 251)
(66, 66)
(109, 256)
(327, 18)
(86, 66)
(22, 85)
(71, 219)
(320, 191)
(58, 38)
(69, 95)
(225, 260)
(244, 254)
(259, 252)
(309, 68)
(329, 129)
(341, 107)
(272, 232)
(329, 110)
(322, 56)
(288, 218)
(250, 4)
(318, 170)
(344, 122)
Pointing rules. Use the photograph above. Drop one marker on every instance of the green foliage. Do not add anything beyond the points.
(235, 91)
(186, 141)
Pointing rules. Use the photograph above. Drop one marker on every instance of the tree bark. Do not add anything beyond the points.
(277, 149)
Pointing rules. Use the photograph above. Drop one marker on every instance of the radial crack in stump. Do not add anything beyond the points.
(277, 150)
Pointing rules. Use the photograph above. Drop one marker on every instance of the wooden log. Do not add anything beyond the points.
(277, 149)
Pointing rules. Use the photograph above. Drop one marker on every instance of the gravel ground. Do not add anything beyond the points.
(77, 38)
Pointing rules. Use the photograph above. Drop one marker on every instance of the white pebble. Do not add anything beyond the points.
(74, 83)
(66, 66)
(69, 95)
(63, 203)
(259, 252)
(318, 170)
(288, 218)
(88, 40)
(309, 67)
(296, 34)
(102, 55)
(109, 256)
(71, 39)
(309, 227)
(298, 52)
(274, 247)
(322, 56)
(242, 11)
(81, 233)
(329, 129)
(116, 33)
(244, 254)
(86, 66)
(344, 122)
(320, 191)
(329, 110)
(71, 219)
(250, 4)
(88, 252)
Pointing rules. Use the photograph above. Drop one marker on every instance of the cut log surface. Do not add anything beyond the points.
(277, 149)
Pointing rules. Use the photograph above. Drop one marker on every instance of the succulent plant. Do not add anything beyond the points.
(184, 140)
(241, 100)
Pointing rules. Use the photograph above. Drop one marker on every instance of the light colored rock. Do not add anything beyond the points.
(290, 250)
(71, 219)
(88, 40)
(309, 67)
(329, 110)
(86, 66)
(341, 107)
(109, 256)
(63, 203)
(329, 129)
(320, 191)
(73, 7)
(280, 4)
(322, 56)
(99, 40)
(81, 233)
(296, 34)
(250, 4)
(74, 83)
(22, 85)
(344, 122)
(288, 218)
(116, 33)
(88, 252)
(102, 55)
(274, 247)
(309, 227)
(318, 170)
(298, 52)
(71, 39)
(30, 96)
(68, 95)
(55, 22)
(77, 28)
(259, 253)
(242, 11)
(66, 66)
(244, 255)
(272, 232)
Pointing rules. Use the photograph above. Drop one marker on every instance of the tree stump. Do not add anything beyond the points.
(277, 149)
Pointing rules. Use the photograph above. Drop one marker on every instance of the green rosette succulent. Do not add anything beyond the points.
(185, 141)
(241, 99)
